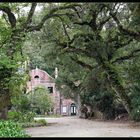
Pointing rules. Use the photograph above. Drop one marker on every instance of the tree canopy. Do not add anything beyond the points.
(94, 46)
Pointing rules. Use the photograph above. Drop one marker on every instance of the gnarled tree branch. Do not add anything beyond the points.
(133, 54)
(48, 16)
(83, 64)
(11, 16)
(134, 34)
(31, 13)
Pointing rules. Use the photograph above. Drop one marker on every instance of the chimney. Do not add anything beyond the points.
(56, 73)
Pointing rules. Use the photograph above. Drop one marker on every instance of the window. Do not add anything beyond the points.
(36, 77)
(64, 109)
(50, 89)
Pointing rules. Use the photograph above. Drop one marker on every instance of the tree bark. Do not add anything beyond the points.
(78, 105)
(5, 102)
(4, 113)
(118, 88)
(125, 100)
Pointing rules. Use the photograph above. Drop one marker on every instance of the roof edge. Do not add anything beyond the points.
(44, 72)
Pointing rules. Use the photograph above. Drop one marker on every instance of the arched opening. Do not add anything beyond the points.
(36, 77)
(73, 109)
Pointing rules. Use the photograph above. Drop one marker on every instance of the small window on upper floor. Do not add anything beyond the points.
(50, 89)
(36, 77)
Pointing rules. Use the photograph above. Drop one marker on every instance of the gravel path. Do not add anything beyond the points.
(75, 127)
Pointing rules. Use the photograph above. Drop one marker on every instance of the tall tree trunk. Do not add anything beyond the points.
(6, 74)
(122, 94)
(79, 105)
(5, 102)
(116, 86)
(4, 113)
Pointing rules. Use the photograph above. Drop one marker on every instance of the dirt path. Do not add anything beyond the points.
(75, 127)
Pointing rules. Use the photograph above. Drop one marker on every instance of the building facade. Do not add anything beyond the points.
(62, 106)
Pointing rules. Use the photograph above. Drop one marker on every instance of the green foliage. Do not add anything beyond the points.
(134, 85)
(33, 124)
(84, 41)
(40, 100)
(21, 102)
(105, 104)
(21, 116)
(102, 101)
(135, 113)
(82, 36)
(41, 121)
(13, 115)
(11, 129)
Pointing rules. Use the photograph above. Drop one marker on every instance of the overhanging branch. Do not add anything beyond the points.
(123, 30)
(83, 64)
(31, 13)
(48, 16)
(133, 54)
(11, 16)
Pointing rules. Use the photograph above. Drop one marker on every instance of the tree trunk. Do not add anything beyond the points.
(118, 88)
(4, 113)
(78, 105)
(5, 102)
(6, 74)
(125, 100)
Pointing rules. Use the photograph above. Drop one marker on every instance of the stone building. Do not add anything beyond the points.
(62, 106)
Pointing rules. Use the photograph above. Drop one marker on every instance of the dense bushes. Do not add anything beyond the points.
(18, 116)
(135, 113)
(11, 129)
(36, 123)
(41, 121)
(26, 119)
(101, 101)
(40, 100)
(104, 103)
(134, 79)
(21, 102)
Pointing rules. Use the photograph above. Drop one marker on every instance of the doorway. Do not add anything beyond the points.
(73, 109)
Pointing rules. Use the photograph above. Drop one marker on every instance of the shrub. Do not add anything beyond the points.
(105, 105)
(40, 100)
(11, 129)
(36, 123)
(13, 115)
(21, 102)
(21, 116)
(41, 121)
(103, 102)
(135, 113)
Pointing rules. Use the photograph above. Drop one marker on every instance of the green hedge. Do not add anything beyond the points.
(21, 116)
(11, 129)
(36, 123)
